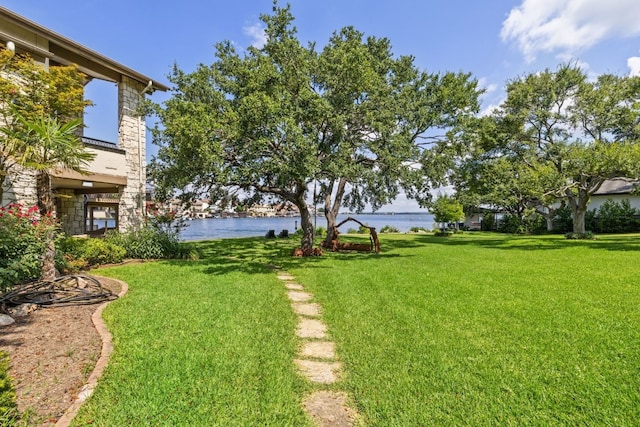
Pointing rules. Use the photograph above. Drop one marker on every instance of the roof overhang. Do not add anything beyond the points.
(86, 184)
(65, 51)
(618, 185)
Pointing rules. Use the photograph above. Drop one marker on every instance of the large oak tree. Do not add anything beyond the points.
(558, 136)
(348, 119)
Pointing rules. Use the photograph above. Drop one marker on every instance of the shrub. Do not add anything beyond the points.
(611, 217)
(580, 236)
(8, 407)
(616, 217)
(75, 254)
(388, 229)
(99, 251)
(590, 221)
(443, 233)
(320, 231)
(563, 222)
(145, 243)
(23, 234)
(69, 256)
(363, 230)
(418, 230)
(536, 224)
(530, 224)
(511, 224)
(159, 238)
(488, 222)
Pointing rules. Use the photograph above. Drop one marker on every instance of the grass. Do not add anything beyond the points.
(205, 343)
(474, 329)
(487, 329)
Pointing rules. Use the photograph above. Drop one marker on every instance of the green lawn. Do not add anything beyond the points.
(207, 343)
(475, 329)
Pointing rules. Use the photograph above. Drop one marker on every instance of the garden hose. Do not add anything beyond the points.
(62, 291)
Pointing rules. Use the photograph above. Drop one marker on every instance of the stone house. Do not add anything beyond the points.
(113, 195)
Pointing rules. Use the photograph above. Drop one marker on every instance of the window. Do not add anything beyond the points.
(100, 217)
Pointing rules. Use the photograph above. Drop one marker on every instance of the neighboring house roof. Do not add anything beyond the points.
(616, 186)
(65, 51)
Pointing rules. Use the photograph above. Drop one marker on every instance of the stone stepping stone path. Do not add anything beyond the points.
(317, 360)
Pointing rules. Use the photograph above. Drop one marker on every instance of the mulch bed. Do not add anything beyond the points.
(52, 351)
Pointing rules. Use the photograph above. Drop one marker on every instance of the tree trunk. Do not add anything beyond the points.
(578, 204)
(45, 205)
(331, 210)
(306, 223)
(579, 220)
(3, 176)
(49, 258)
(549, 219)
(43, 186)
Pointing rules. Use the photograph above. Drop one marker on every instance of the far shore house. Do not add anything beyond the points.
(113, 195)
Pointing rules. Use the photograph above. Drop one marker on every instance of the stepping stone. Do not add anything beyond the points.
(306, 309)
(297, 296)
(294, 287)
(319, 350)
(285, 276)
(311, 328)
(319, 372)
(329, 409)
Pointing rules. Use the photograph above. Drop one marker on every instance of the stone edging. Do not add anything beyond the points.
(101, 364)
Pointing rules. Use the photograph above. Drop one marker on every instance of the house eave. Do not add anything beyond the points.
(66, 51)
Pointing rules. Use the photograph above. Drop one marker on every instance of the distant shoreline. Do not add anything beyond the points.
(212, 228)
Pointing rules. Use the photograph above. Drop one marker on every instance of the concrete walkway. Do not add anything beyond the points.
(317, 360)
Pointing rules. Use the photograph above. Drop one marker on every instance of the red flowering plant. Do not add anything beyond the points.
(23, 239)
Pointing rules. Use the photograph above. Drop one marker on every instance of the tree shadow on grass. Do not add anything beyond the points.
(260, 256)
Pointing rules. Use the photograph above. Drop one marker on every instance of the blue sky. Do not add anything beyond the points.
(494, 40)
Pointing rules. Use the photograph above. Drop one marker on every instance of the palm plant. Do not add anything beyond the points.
(48, 145)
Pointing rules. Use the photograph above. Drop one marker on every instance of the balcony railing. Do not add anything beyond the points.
(102, 144)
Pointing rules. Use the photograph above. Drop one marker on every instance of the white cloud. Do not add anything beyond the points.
(483, 83)
(492, 97)
(634, 65)
(488, 110)
(569, 26)
(257, 34)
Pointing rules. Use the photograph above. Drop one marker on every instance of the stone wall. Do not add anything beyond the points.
(132, 139)
(20, 187)
(70, 211)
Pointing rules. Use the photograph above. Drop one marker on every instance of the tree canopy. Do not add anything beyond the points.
(446, 209)
(350, 118)
(555, 139)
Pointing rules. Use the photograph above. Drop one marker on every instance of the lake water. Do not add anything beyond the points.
(220, 228)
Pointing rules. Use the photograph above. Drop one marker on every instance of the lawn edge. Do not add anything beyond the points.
(105, 353)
